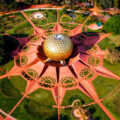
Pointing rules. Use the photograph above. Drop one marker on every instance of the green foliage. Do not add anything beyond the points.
(112, 102)
(8, 89)
(1, 58)
(7, 40)
(10, 20)
(22, 30)
(106, 43)
(116, 3)
(50, 17)
(18, 82)
(115, 68)
(92, 19)
(80, 18)
(66, 19)
(8, 5)
(1, 48)
(49, 26)
(7, 44)
(75, 94)
(97, 113)
(112, 56)
(113, 25)
(64, 10)
(104, 85)
(115, 39)
(8, 65)
(104, 3)
(66, 114)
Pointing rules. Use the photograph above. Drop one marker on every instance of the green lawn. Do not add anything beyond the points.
(93, 31)
(51, 17)
(8, 66)
(115, 39)
(22, 30)
(92, 19)
(104, 85)
(72, 95)
(106, 43)
(28, 13)
(18, 82)
(97, 113)
(66, 19)
(7, 103)
(8, 88)
(68, 26)
(2, 72)
(39, 23)
(80, 18)
(45, 100)
(112, 102)
(115, 68)
(38, 106)
(49, 26)
(10, 20)
(66, 114)
(9, 95)
(60, 14)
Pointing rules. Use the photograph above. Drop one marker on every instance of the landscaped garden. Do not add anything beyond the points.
(20, 39)
(10, 20)
(71, 96)
(21, 30)
(112, 103)
(112, 67)
(107, 84)
(50, 16)
(33, 108)
(106, 43)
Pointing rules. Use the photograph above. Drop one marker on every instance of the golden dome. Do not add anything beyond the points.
(58, 47)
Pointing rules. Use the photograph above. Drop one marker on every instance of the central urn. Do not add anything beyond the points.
(58, 47)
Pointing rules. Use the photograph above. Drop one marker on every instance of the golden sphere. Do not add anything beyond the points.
(58, 47)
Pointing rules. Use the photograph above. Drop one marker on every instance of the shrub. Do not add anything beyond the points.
(112, 56)
(64, 10)
(113, 25)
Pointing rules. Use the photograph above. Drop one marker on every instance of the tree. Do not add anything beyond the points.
(116, 3)
(112, 56)
(2, 52)
(64, 10)
(28, 2)
(113, 25)
(104, 3)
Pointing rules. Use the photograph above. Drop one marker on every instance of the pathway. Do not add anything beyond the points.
(39, 30)
(78, 29)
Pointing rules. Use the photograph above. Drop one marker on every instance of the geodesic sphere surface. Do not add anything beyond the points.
(58, 47)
